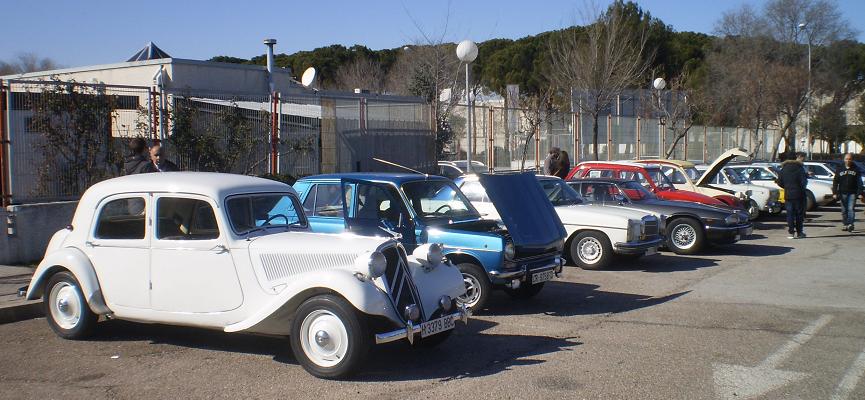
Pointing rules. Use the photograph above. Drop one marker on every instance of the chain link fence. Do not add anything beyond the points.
(58, 138)
(506, 138)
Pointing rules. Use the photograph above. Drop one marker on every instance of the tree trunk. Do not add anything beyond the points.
(672, 146)
(595, 137)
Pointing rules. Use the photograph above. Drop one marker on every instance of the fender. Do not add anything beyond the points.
(275, 317)
(79, 265)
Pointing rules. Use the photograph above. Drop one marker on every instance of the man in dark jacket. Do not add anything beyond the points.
(794, 180)
(846, 186)
(138, 161)
(160, 163)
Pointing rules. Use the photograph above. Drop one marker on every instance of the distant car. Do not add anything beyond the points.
(825, 170)
(518, 255)
(818, 193)
(688, 226)
(235, 253)
(649, 175)
(595, 233)
(760, 198)
(685, 177)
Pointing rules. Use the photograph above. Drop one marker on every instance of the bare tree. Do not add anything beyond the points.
(27, 62)
(597, 63)
(535, 109)
(676, 108)
(362, 73)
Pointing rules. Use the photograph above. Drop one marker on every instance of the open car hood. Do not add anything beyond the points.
(718, 164)
(524, 208)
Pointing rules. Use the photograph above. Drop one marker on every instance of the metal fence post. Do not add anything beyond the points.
(575, 116)
(5, 196)
(609, 137)
(705, 143)
(154, 115)
(639, 144)
(685, 155)
(274, 139)
(491, 149)
(538, 147)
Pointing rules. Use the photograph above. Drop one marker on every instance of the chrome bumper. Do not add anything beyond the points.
(637, 247)
(523, 271)
(411, 330)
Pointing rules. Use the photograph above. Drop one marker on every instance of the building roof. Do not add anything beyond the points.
(148, 52)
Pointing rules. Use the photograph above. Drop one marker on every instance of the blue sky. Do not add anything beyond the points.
(90, 32)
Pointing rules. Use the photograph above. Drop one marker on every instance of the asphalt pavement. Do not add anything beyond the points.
(768, 318)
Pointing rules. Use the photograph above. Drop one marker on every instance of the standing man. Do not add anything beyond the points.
(846, 186)
(550, 163)
(160, 163)
(138, 161)
(793, 179)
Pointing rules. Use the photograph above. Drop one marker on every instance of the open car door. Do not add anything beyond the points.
(376, 209)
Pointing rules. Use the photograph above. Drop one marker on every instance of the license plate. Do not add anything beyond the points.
(437, 325)
(652, 251)
(543, 276)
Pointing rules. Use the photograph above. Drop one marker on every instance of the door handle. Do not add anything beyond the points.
(219, 249)
(91, 244)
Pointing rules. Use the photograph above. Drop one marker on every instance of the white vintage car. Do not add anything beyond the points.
(234, 253)
(594, 232)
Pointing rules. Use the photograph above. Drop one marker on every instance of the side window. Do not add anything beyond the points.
(121, 219)
(474, 191)
(675, 175)
(720, 178)
(328, 200)
(600, 173)
(374, 202)
(180, 218)
(309, 201)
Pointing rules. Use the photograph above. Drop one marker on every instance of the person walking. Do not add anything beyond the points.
(793, 179)
(846, 186)
(550, 162)
(160, 163)
(138, 162)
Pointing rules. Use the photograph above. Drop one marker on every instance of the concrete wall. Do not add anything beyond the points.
(34, 224)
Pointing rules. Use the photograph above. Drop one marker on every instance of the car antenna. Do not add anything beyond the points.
(400, 166)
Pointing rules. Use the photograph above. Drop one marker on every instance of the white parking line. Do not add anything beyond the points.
(851, 378)
(775, 360)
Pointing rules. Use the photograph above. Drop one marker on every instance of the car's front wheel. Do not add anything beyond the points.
(753, 210)
(478, 286)
(66, 309)
(810, 201)
(685, 236)
(328, 337)
(591, 250)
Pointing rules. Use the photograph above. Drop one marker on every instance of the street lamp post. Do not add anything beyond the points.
(659, 84)
(808, 96)
(467, 51)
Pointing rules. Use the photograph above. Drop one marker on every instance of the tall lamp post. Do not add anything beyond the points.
(659, 84)
(467, 51)
(802, 26)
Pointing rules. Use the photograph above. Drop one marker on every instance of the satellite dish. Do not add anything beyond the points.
(308, 78)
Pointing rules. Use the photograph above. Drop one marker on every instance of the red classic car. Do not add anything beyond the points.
(650, 176)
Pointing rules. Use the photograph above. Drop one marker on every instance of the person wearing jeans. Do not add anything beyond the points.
(794, 181)
(846, 186)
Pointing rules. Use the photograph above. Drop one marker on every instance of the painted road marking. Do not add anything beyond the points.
(741, 382)
(851, 378)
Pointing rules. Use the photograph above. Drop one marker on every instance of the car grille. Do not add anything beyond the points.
(652, 228)
(398, 281)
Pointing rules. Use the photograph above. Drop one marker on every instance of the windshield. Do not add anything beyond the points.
(661, 180)
(433, 200)
(251, 212)
(559, 192)
(693, 173)
(636, 192)
(734, 177)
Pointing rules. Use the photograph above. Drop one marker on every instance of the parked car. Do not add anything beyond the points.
(235, 253)
(685, 176)
(648, 175)
(825, 170)
(760, 198)
(595, 233)
(688, 226)
(818, 193)
(453, 169)
(518, 255)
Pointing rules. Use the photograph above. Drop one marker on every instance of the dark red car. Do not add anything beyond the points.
(650, 176)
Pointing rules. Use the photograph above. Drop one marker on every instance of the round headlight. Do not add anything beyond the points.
(377, 264)
(434, 255)
(732, 219)
(510, 250)
(411, 312)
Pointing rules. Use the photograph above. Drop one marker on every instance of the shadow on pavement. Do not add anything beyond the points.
(665, 262)
(559, 298)
(748, 249)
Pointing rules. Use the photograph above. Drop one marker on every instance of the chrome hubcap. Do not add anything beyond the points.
(684, 236)
(65, 305)
(324, 338)
(589, 250)
(473, 291)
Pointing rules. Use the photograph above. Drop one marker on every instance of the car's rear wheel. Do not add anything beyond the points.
(753, 210)
(685, 236)
(525, 291)
(478, 286)
(591, 250)
(328, 337)
(66, 309)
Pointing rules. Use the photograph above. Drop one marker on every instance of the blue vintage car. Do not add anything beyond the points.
(517, 255)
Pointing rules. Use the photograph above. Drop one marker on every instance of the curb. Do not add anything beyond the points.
(21, 311)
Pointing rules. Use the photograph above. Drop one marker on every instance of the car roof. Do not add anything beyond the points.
(681, 163)
(393, 177)
(627, 164)
(210, 184)
(602, 180)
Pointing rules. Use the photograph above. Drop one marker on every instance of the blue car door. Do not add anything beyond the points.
(377, 209)
(323, 205)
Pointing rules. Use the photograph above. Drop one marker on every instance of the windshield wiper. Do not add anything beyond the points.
(264, 227)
